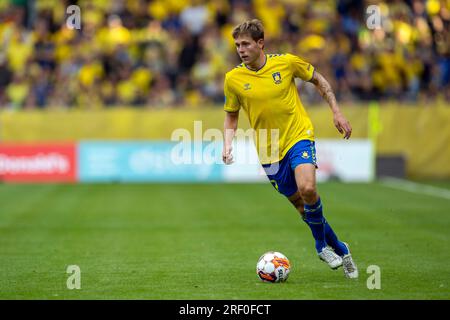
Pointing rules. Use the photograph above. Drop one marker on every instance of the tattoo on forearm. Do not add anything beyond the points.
(324, 88)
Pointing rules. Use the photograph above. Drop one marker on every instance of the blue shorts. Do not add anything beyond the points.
(281, 174)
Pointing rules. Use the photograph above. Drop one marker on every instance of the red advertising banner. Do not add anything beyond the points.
(38, 163)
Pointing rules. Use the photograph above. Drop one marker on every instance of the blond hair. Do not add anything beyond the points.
(253, 28)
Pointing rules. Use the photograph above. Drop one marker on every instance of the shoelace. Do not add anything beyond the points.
(349, 265)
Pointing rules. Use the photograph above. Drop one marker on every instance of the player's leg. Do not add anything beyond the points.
(306, 179)
(306, 183)
(305, 176)
(303, 162)
(283, 179)
(330, 237)
(297, 202)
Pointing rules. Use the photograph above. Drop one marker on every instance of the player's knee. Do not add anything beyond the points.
(308, 191)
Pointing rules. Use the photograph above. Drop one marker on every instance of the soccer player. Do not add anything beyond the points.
(263, 85)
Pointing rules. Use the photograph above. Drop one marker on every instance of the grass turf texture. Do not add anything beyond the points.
(203, 242)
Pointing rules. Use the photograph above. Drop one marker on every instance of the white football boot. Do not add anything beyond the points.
(349, 266)
(330, 257)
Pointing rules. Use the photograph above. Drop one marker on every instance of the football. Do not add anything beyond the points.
(273, 266)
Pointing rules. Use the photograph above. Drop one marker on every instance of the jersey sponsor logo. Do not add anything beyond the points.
(276, 77)
(247, 86)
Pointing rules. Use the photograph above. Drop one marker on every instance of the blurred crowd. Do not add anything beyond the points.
(169, 53)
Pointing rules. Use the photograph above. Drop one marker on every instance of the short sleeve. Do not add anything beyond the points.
(300, 68)
(231, 100)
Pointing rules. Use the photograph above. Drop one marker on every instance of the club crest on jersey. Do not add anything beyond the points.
(305, 155)
(276, 77)
(247, 86)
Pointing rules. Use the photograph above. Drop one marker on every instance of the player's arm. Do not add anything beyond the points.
(230, 127)
(231, 107)
(327, 93)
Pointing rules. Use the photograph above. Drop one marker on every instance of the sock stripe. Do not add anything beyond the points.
(313, 210)
(313, 222)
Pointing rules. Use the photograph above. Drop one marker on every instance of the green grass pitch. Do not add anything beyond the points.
(202, 241)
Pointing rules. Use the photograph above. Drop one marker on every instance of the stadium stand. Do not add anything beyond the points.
(174, 53)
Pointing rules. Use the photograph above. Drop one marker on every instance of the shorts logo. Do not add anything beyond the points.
(276, 77)
(305, 155)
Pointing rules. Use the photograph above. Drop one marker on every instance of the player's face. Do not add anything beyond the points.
(248, 49)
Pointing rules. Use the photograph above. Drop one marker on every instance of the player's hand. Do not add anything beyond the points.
(227, 156)
(342, 125)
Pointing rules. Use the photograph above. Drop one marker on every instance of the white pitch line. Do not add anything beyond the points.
(419, 188)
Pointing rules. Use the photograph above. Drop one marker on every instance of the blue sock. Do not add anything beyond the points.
(333, 241)
(314, 219)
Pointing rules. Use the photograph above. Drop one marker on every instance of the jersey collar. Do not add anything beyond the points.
(265, 61)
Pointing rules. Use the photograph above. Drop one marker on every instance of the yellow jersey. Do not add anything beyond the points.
(271, 101)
